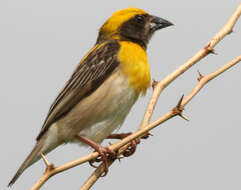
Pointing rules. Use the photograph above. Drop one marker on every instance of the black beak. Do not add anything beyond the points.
(158, 23)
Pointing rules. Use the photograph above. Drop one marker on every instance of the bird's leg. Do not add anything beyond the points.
(123, 135)
(132, 148)
(103, 151)
(118, 135)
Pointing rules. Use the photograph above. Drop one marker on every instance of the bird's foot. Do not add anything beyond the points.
(132, 148)
(105, 153)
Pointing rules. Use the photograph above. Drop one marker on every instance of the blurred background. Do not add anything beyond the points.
(41, 43)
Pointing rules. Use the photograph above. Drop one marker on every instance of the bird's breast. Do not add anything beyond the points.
(134, 64)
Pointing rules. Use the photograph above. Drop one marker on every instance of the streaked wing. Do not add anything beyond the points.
(88, 76)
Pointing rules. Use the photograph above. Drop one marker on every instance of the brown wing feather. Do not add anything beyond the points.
(88, 76)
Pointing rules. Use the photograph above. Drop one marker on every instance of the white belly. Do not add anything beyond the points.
(120, 107)
(98, 115)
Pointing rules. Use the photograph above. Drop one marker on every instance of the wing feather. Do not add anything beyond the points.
(88, 76)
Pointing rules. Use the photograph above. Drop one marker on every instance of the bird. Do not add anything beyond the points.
(103, 88)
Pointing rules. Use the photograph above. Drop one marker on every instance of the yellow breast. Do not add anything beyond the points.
(134, 64)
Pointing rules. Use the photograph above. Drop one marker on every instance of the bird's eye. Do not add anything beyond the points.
(140, 19)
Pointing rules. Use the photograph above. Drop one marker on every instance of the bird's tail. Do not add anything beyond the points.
(33, 157)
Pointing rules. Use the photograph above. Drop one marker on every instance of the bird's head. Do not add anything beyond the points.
(131, 24)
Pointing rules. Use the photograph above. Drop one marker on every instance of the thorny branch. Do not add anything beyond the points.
(209, 48)
(157, 89)
(176, 111)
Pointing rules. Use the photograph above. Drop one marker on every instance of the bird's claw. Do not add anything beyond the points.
(132, 148)
(105, 154)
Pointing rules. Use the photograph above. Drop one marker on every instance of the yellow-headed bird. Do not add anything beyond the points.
(103, 88)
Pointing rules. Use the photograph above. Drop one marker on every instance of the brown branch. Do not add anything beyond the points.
(145, 127)
(176, 111)
(227, 29)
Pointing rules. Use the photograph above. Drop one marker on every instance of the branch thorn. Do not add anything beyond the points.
(200, 75)
(179, 103)
(210, 49)
(183, 117)
(154, 83)
(179, 108)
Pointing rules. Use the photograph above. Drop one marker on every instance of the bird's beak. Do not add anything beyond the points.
(158, 23)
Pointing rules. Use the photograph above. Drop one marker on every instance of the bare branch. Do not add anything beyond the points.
(207, 78)
(96, 174)
(145, 126)
(47, 163)
(139, 133)
(227, 29)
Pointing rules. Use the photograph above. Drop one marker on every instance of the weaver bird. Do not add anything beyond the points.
(103, 88)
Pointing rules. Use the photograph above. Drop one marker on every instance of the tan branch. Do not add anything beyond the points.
(95, 176)
(145, 127)
(62, 168)
(205, 79)
(159, 87)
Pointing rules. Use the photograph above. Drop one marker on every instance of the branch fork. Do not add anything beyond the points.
(49, 166)
(146, 126)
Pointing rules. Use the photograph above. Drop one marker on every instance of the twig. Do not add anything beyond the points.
(95, 176)
(207, 78)
(227, 29)
(97, 173)
(145, 127)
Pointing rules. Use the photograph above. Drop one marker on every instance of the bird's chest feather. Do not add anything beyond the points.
(101, 112)
(134, 64)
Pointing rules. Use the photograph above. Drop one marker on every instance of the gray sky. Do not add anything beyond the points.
(41, 42)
